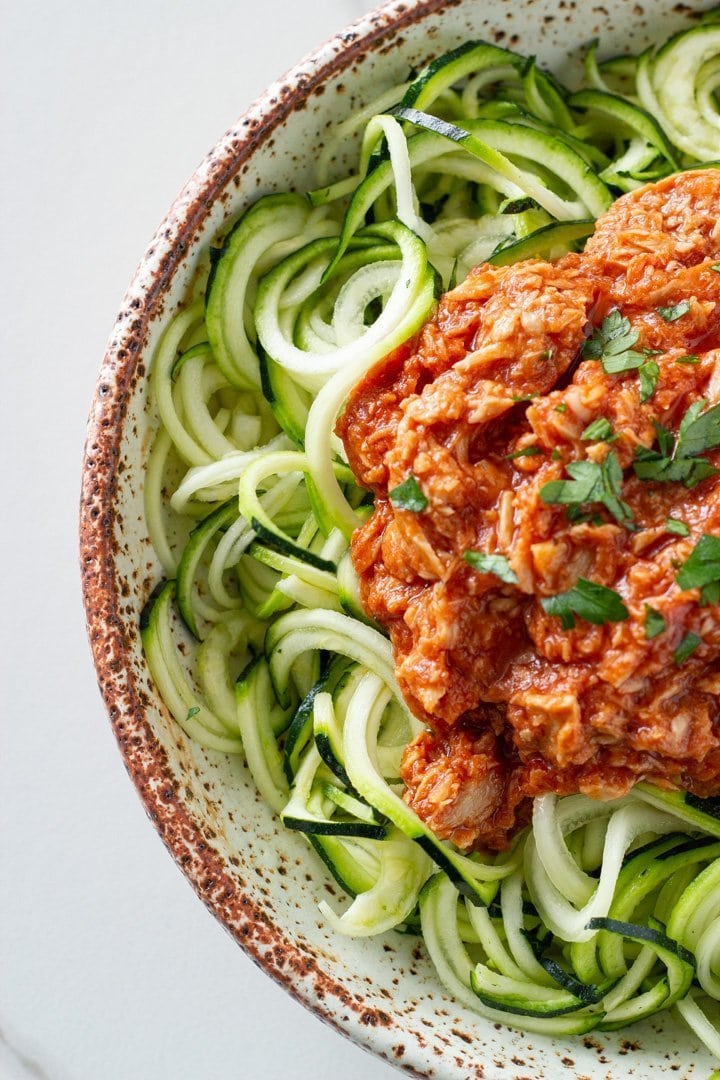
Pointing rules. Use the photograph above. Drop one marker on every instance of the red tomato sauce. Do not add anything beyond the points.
(514, 704)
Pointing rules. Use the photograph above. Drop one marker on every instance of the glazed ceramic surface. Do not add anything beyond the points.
(259, 879)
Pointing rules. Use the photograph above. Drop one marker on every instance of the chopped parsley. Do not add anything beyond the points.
(589, 601)
(676, 458)
(654, 623)
(491, 564)
(686, 648)
(192, 712)
(672, 525)
(527, 451)
(612, 343)
(690, 359)
(699, 431)
(649, 373)
(562, 407)
(556, 455)
(675, 311)
(590, 483)
(600, 430)
(408, 496)
(710, 594)
(626, 361)
(701, 570)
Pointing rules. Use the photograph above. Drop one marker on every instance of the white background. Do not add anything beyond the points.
(110, 967)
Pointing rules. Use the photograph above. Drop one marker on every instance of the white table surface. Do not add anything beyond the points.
(110, 967)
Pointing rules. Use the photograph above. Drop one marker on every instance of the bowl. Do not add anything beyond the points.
(257, 878)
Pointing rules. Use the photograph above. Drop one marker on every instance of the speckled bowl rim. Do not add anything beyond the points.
(265, 942)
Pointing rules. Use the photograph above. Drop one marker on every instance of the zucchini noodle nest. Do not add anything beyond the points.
(600, 913)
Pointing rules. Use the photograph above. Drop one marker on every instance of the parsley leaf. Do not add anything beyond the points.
(673, 525)
(686, 648)
(408, 496)
(710, 594)
(612, 343)
(527, 451)
(649, 373)
(654, 623)
(585, 486)
(561, 408)
(192, 712)
(590, 483)
(675, 311)
(676, 458)
(651, 465)
(600, 430)
(689, 359)
(491, 564)
(701, 570)
(594, 603)
(665, 438)
(625, 361)
(699, 431)
(615, 334)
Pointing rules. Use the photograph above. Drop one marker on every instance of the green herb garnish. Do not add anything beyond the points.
(675, 311)
(561, 408)
(491, 564)
(612, 343)
(192, 712)
(672, 525)
(649, 373)
(676, 459)
(527, 451)
(590, 483)
(710, 594)
(686, 648)
(654, 623)
(408, 496)
(690, 359)
(701, 570)
(699, 431)
(600, 430)
(589, 601)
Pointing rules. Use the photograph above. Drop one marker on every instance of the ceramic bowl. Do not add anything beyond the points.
(260, 880)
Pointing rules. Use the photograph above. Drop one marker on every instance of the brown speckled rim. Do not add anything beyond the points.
(266, 943)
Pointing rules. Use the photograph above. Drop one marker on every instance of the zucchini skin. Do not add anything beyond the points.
(544, 243)
(702, 813)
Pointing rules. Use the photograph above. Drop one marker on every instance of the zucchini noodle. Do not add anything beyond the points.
(601, 913)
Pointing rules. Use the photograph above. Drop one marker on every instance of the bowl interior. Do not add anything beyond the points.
(261, 880)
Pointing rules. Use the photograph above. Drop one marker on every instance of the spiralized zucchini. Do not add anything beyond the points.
(600, 914)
